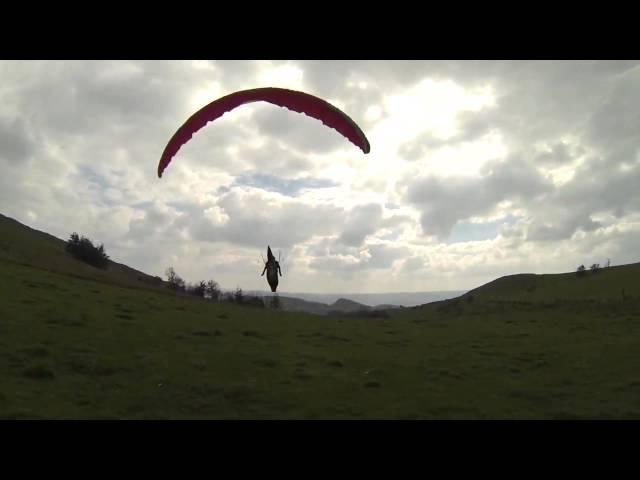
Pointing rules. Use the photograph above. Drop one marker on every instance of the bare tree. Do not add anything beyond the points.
(238, 295)
(175, 282)
(213, 290)
(197, 289)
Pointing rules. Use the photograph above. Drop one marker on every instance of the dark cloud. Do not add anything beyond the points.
(445, 201)
(383, 256)
(474, 125)
(602, 188)
(154, 223)
(561, 229)
(537, 100)
(100, 96)
(16, 143)
(597, 187)
(413, 264)
(616, 121)
(320, 248)
(362, 221)
(559, 154)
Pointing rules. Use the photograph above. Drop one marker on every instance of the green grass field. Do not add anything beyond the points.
(76, 348)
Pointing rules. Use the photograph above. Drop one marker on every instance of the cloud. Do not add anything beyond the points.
(290, 187)
(271, 158)
(303, 133)
(383, 256)
(362, 221)
(561, 229)
(559, 153)
(413, 264)
(256, 219)
(16, 143)
(443, 202)
(477, 168)
(614, 124)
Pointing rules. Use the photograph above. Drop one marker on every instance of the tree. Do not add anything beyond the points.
(212, 290)
(171, 275)
(84, 250)
(595, 267)
(581, 270)
(238, 295)
(198, 289)
(174, 280)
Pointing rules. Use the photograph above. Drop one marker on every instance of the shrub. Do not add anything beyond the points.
(84, 250)
(212, 290)
(198, 289)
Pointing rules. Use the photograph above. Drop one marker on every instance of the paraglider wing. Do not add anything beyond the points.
(291, 99)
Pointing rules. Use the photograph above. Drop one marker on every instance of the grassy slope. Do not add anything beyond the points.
(71, 348)
(607, 284)
(21, 244)
(76, 348)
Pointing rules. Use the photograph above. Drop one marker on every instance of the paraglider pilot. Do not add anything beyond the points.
(272, 267)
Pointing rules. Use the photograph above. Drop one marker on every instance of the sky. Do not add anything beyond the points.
(477, 169)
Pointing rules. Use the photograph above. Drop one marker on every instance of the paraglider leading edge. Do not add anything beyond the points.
(291, 99)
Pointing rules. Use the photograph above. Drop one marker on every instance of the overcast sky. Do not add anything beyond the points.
(477, 169)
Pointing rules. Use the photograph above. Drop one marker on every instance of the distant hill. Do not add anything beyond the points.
(292, 304)
(406, 299)
(342, 305)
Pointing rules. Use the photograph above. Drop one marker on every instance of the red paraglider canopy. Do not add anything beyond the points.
(293, 100)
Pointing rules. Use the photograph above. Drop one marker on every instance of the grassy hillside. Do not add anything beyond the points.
(608, 284)
(71, 347)
(24, 245)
